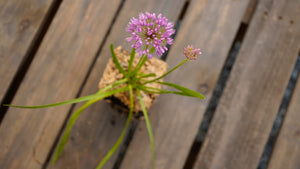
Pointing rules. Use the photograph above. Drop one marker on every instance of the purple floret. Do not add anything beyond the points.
(150, 33)
(191, 52)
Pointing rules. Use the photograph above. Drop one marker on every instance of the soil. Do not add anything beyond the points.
(111, 74)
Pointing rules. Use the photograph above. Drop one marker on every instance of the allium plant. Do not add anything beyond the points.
(150, 34)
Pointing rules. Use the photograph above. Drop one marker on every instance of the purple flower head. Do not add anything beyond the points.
(150, 33)
(191, 53)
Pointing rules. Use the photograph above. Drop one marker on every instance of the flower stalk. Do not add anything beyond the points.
(150, 33)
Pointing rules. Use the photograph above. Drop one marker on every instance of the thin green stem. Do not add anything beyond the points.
(117, 144)
(148, 126)
(162, 76)
(111, 86)
(131, 60)
(71, 122)
(141, 63)
(115, 59)
(160, 91)
(80, 99)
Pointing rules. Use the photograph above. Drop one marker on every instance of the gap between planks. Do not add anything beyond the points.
(132, 129)
(217, 93)
(218, 90)
(286, 151)
(28, 57)
(228, 145)
(280, 118)
(171, 153)
(82, 86)
(99, 124)
(56, 74)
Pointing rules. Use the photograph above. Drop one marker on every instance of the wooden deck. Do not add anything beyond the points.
(55, 50)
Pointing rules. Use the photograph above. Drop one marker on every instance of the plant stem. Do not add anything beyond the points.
(141, 63)
(71, 122)
(116, 61)
(167, 72)
(148, 126)
(131, 60)
(80, 99)
(117, 144)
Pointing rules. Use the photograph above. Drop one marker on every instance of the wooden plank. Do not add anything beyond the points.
(99, 127)
(250, 11)
(251, 99)
(56, 74)
(211, 25)
(19, 24)
(286, 153)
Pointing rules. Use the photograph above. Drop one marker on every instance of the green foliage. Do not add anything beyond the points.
(134, 81)
(71, 122)
(132, 54)
(184, 90)
(148, 126)
(117, 144)
(116, 61)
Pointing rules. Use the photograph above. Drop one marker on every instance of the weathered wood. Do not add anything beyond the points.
(286, 153)
(56, 74)
(251, 99)
(250, 11)
(210, 25)
(19, 24)
(99, 127)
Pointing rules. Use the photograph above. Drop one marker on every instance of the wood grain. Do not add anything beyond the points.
(210, 25)
(250, 11)
(286, 153)
(99, 127)
(19, 24)
(251, 99)
(56, 74)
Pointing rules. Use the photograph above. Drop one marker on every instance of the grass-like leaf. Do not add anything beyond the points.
(71, 122)
(74, 117)
(184, 90)
(116, 61)
(111, 86)
(131, 60)
(162, 76)
(141, 63)
(80, 99)
(148, 126)
(117, 144)
(161, 91)
(141, 77)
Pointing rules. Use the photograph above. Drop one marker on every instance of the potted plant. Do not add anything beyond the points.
(135, 78)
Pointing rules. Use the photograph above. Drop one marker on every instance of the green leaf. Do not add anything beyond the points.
(117, 144)
(142, 75)
(74, 117)
(115, 59)
(184, 90)
(160, 91)
(162, 76)
(148, 126)
(80, 99)
(71, 122)
(111, 86)
(131, 59)
(140, 64)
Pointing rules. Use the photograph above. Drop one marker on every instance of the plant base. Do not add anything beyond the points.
(111, 74)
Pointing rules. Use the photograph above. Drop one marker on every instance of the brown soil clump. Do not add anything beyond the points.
(111, 74)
